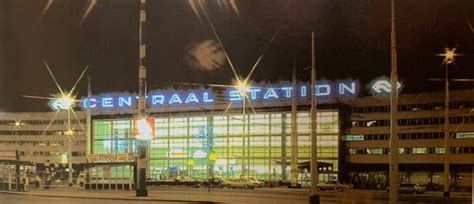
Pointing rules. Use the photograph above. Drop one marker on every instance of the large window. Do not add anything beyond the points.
(182, 144)
(112, 136)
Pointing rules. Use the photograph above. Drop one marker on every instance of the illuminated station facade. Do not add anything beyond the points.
(195, 131)
(196, 128)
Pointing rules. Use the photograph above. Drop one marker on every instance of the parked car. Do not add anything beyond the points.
(410, 188)
(81, 180)
(216, 181)
(239, 183)
(256, 182)
(332, 186)
(184, 179)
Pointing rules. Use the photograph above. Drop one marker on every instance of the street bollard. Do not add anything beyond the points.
(314, 199)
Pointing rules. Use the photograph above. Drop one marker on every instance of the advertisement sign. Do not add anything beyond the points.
(98, 158)
(177, 153)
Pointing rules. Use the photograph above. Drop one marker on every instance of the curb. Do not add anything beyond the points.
(103, 198)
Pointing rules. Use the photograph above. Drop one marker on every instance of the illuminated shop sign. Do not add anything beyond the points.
(177, 153)
(124, 157)
(260, 93)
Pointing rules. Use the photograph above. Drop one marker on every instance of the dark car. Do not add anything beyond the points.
(410, 188)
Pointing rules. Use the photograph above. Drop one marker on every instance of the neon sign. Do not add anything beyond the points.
(382, 86)
(260, 93)
(61, 104)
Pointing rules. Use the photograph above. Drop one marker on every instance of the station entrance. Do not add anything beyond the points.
(109, 172)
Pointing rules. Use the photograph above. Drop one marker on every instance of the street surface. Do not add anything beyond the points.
(201, 195)
(20, 199)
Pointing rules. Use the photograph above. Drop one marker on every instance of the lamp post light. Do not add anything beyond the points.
(66, 102)
(243, 87)
(448, 59)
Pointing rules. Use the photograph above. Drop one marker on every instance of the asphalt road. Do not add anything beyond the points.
(20, 199)
(185, 195)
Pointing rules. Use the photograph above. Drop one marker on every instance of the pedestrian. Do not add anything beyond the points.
(48, 182)
(37, 181)
(25, 182)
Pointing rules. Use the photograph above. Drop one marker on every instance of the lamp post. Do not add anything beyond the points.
(66, 102)
(211, 156)
(243, 87)
(446, 134)
(313, 197)
(393, 142)
(69, 157)
(294, 130)
(448, 59)
(144, 130)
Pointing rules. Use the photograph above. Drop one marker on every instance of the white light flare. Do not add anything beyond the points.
(46, 8)
(67, 102)
(144, 130)
(90, 5)
(243, 87)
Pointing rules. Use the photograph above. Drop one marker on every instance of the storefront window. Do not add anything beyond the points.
(112, 136)
(181, 145)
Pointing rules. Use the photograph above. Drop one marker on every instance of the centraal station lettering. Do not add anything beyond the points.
(324, 90)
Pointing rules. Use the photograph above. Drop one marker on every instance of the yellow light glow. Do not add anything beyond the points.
(66, 102)
(69, 132)
(449, 55)
(242, 87)
(144, 130)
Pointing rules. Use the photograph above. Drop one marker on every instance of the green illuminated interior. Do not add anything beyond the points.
(180, 147)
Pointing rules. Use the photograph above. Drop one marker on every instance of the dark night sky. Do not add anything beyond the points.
(353, 41)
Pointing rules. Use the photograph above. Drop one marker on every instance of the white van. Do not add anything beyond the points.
(81, 180)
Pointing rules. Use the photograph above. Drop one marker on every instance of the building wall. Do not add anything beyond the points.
(28, 134)
(421, 133)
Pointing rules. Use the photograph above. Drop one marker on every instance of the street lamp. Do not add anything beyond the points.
(65, 100)
(393, 141)
(313, 197)
(142, 125)
(448, 55)
(243, 87)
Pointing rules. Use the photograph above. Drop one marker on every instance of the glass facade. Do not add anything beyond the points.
(112, 136)
(183, 144)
